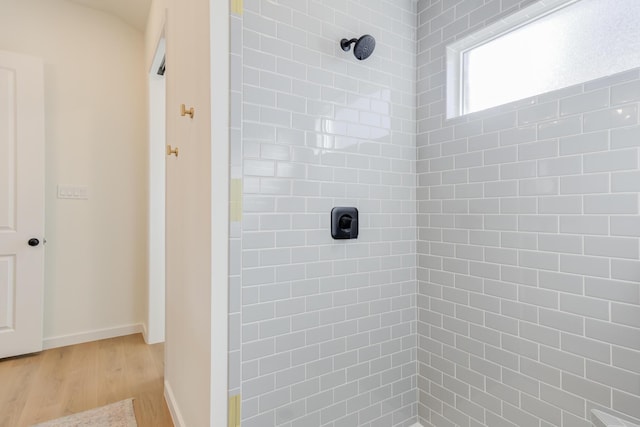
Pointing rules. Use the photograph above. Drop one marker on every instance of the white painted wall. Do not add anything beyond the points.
(96, 136)
(154, 29)
(197, 208)
(188, 273)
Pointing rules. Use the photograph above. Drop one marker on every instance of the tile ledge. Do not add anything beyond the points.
(602, 419)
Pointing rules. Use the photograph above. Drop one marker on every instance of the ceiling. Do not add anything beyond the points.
(133, 12)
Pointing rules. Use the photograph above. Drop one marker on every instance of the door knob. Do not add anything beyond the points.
(170, 151)
(33, 242)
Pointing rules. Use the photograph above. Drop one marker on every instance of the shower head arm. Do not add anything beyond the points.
(345, 44)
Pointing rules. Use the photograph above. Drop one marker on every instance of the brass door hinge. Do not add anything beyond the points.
(235, 200)
(237, 6)
(234, 411)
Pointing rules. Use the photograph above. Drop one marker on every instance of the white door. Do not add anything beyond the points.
(21, 204)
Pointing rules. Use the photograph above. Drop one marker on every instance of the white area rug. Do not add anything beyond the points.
(119, 414)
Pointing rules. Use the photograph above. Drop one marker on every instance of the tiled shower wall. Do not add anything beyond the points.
(324, 332)
(528, 294)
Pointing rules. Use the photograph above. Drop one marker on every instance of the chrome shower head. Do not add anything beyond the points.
(363, 48)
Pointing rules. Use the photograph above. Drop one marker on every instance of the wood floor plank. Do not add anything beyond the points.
(81, 388)
(18, 375)
(62, 381)
(43, 402)
(110, 366)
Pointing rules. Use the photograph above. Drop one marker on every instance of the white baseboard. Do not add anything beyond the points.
(151, 337)
(98, 334)
(417, 425)
(176, 416)
(144, 333)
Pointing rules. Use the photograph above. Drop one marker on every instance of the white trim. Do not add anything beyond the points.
(156, 247)
(220, 165)
(89, 336)
(604, 419)
(454, 82)
(176, 416)
(417, 425)
(510, 23)
(145, 334)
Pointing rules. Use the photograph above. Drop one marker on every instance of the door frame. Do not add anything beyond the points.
(155, 322)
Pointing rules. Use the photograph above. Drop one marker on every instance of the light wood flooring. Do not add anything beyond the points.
(66, 380)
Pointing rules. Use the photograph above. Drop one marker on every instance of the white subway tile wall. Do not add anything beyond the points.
(323, 332)
(528, 245)
(511, 299)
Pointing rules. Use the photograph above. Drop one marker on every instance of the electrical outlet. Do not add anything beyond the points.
(79, 192)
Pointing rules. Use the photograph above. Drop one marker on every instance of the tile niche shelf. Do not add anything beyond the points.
(602, 419)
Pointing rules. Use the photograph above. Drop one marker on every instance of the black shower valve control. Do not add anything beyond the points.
(344, 223)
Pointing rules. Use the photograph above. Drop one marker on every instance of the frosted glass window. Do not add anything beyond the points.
(566, 44)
